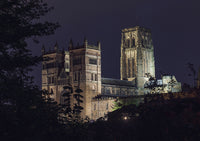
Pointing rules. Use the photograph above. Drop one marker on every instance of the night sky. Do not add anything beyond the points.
(175, 26)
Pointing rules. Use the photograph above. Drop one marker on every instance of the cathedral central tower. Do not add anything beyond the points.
(137, 55)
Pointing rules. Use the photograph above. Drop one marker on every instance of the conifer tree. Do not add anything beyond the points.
(19, 20)
(77, 107)
(23, 110)
(65, 110)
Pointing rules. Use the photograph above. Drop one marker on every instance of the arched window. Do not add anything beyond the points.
(102, 90)
(92, 76)
(107, 106)
(51, 91)
(128, 43)
(94, 107)
(107, 90)
(133, 42)
(75, 76)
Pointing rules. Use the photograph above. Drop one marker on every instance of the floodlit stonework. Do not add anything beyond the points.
(80, 66)
(137, 56)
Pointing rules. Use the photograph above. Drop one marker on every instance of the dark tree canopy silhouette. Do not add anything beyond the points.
(65, 104)
(77, 107)
(19, 20)
(193, 71)
(23, 109)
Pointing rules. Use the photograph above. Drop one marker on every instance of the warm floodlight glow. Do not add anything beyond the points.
(125, 118)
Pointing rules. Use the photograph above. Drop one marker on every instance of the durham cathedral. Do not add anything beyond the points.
(80, 67)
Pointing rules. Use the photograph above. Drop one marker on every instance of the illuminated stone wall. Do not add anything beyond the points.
(101, 107)
(137, 56)
(81, 67)
(52, 66)
(85, 71)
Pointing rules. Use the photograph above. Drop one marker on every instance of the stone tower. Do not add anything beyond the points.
(85, 72)
(52, 65)
(137, 56)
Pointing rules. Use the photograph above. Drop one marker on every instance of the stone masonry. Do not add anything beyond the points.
(80, 67)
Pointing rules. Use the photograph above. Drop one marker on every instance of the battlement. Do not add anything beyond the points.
(84, 45)
(136, 28)
(52, 51)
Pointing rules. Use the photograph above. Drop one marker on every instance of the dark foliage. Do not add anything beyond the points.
(28, 114)
(77, 107)
(25, 113)
(158, 119)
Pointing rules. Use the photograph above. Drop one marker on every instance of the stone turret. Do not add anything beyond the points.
(99, 45)
(56, 47)
(85, 42)
(70, 44)
(85, 72)
(43, 49)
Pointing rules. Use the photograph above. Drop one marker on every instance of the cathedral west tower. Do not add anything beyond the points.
(85, 72)
(137, 56)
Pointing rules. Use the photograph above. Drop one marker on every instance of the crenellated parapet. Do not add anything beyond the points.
(50, 51)
(84, 45)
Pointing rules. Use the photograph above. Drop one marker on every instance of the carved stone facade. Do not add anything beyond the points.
(137, 56)
(80, 66)
(54, 76)
(85, 72)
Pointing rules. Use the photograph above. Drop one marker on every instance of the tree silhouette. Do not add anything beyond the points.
(77, 106)
(192, 69)
(66, 111)
(152, 84)
(21, 102)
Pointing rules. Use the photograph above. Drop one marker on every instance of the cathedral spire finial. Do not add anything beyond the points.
(56, 47)
(99, 45)
(85, 42)
(70, 44)
(43, 49)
